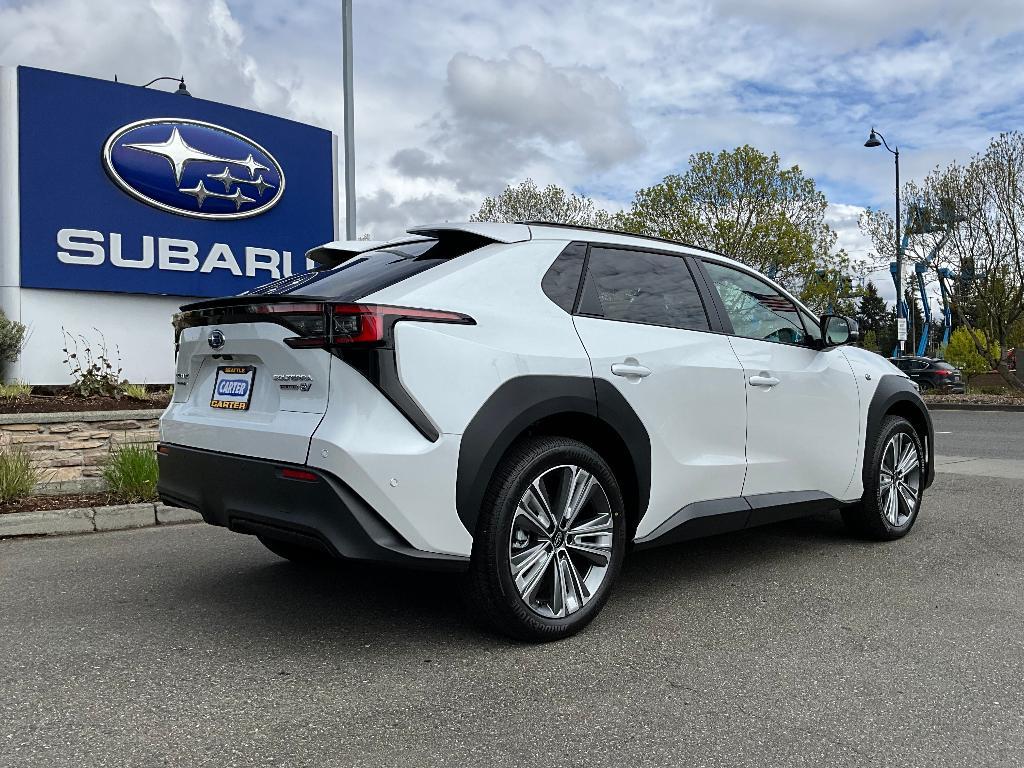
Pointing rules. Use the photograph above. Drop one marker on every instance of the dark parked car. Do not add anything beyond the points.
(929, 373)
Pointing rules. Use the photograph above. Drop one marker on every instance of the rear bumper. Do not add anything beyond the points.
(251, 496)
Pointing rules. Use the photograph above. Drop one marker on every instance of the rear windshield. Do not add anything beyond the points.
(943, 366)
(369, 272)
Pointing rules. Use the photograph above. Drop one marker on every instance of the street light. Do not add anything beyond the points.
(181, 90)
(873, 141)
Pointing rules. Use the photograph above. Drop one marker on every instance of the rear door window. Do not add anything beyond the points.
(641, 287)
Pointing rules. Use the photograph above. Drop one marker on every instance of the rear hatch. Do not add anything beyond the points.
(253, 371)
(241, 389)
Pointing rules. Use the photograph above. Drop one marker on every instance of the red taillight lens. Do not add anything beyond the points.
(299, 474)
(367, 324)
(942, 372)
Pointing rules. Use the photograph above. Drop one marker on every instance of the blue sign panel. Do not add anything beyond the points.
(134, 190)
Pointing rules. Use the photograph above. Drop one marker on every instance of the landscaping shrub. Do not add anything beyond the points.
(18, 477)
(136, 391)
(91, 367)
(131, 473)
(962, 352)
(12, 337)
(15, 390)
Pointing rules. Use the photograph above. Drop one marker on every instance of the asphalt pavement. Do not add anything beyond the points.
(790, 645)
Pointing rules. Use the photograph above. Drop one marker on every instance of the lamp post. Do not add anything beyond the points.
(181, 91)
(873, 141)
(349, 120)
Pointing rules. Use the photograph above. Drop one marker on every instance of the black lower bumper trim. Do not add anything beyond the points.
(251, 496)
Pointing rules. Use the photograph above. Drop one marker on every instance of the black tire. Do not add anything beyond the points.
(924, 385)
(492, 591)
(868, 519)
(296, 553)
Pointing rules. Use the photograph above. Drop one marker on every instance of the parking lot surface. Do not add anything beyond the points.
(787, 645)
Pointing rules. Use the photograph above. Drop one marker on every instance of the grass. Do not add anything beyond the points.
(136, 391)
(131, 473)
(18, 477)
(15, 390)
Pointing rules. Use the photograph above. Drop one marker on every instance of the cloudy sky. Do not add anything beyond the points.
(456, 99)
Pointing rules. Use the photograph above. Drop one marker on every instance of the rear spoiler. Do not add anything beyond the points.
(339, 251)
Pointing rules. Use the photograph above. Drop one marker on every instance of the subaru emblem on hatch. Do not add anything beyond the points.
(215, 339)
(193, 168)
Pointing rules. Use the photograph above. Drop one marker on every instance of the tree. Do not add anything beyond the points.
(745, 205)
(985, 200)
(963, 353)
(870, 341)
(873, 315)
(527, 202)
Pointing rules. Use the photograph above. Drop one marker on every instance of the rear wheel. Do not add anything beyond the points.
(893, 484)
(925, 384)
(550, 541)
(296, 553)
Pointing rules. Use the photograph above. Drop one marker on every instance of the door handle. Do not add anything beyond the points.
(631, 370)
(763, 380)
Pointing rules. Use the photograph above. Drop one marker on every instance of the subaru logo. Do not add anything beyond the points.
(215, 339)
(193, 168)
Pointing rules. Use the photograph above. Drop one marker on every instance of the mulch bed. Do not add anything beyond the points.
(1007, 398)
(71, 404)
(61, 501)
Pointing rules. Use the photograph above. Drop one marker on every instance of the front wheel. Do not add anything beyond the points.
(550, 541)
(893, 484)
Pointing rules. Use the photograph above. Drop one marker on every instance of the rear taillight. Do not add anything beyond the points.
(941, 372)
(368, 325)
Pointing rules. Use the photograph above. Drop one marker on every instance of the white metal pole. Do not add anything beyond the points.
(350, 152)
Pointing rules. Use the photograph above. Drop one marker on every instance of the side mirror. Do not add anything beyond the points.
(838, 329)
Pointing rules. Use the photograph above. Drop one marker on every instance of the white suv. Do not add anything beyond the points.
(527, 402)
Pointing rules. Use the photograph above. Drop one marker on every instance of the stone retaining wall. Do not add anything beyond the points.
(70, 448)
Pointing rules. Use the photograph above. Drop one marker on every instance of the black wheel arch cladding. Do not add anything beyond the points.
(523, 402)
(896, 395)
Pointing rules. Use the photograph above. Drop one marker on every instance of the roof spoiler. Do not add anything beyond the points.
(339, 251)
(485, 230)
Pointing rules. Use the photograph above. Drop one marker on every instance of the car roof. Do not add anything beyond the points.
(522, 231)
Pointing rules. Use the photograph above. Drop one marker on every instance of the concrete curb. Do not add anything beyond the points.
(55, 522)
(81, 416)
(973, 407)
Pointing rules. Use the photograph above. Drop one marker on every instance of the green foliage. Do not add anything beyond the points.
(870, 341)
(962, 351)
(18, 477)
(527, 202)
(14, 391)
(91, 368)
(131, 473)
(136, 391)
(12, 338)
(744, 204)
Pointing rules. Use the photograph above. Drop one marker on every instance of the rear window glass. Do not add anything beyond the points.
(371, 271)
(943, 366)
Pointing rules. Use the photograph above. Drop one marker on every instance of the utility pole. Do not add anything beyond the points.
(349, 138)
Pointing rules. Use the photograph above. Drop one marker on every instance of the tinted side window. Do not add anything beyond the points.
(639, 287)
(562, 280)
(757, 310)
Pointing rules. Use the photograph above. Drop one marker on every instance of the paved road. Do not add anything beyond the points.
(984, 434)
(790, 645)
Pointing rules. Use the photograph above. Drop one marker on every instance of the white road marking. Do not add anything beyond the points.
(943, 433)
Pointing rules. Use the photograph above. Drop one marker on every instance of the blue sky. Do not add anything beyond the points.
(456, 99)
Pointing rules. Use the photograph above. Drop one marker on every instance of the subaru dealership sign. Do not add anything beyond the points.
(120, 203)
(129, 190)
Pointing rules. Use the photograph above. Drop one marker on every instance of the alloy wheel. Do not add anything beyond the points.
(560, 544)
(899, 484)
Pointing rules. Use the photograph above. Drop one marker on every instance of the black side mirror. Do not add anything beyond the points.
(838, 329)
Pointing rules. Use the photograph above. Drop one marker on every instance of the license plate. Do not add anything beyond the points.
(232, 388)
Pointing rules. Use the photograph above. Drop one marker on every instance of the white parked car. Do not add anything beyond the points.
(528, 402)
